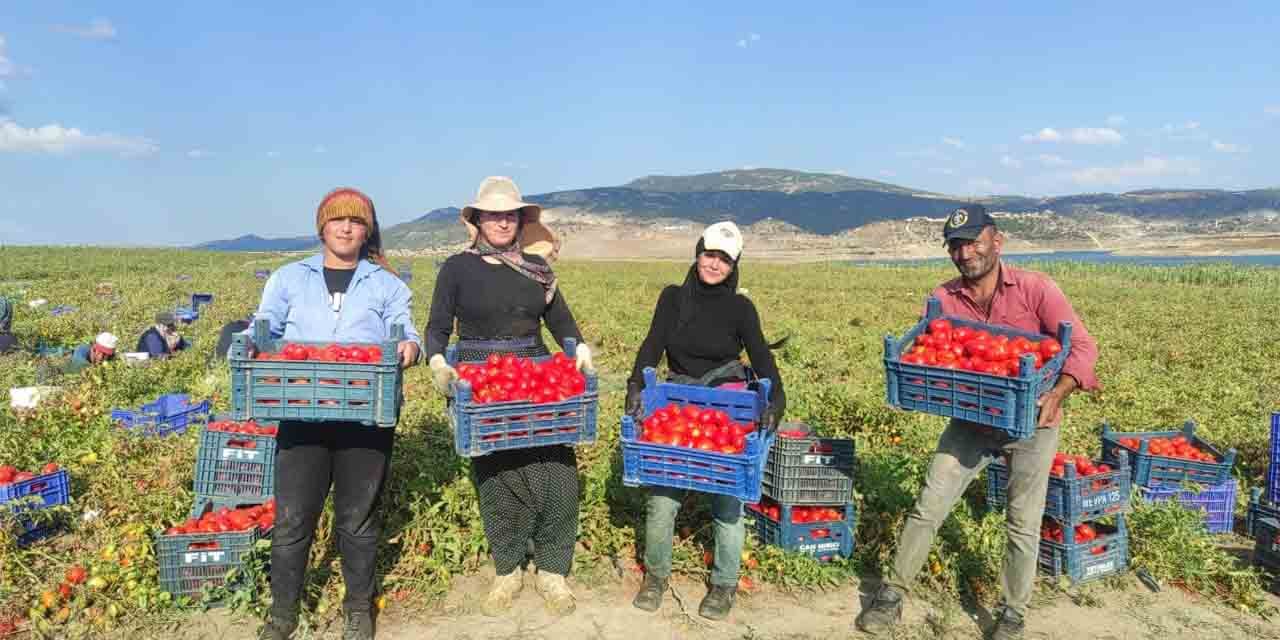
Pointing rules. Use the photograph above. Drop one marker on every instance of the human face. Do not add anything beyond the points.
(344, 237)
(498, 227)
(714, 267)
(976, 258)
(96, 356)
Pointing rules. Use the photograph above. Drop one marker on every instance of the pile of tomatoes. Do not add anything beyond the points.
(10, 474)
(224, 520)
(1175, 447)
(510, 378)
(1085, 533)
(248, 428)
(799, 514)
(694, 427)
(976, 350)
(327, 353)
(1084, 466)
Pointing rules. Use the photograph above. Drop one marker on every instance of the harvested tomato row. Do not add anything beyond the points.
(327, 353)
(1052, 531)
(223, 520)
(976, 350)
(694, 427)
(248, 428)
(10, 474)
(510, 378)
(1176, 447)
(799, 514)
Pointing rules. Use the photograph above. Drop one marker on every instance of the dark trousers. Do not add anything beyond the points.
(529, 495)
(355, 459)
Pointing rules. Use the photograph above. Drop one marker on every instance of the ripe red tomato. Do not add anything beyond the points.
(23, 476)
(939, 325)
(1049, 348)
(76, 574)
(51, 467)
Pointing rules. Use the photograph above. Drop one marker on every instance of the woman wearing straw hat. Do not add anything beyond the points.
(500, 290)
(702, 326)
(345, 294)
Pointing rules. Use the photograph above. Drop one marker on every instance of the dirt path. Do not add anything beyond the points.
(605, 611)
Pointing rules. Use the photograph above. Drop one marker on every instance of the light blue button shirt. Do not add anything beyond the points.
(296, 302)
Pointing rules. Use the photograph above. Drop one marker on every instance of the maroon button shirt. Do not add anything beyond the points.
(1029, 301)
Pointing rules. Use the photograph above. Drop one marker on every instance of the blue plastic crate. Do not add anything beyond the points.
(1273, 469)
(235, 466)
(1218, 504)
(822, 541)
(1151, 470)
(1266, 549)
(1259, 509)
(737, 475)
(313, 390)
(185, 315)
(1079, 562)
(1071, 499)
(37, 494)
(479, 429)
(190, 562)
(1008, 404)
(200, 299)
(170, 413)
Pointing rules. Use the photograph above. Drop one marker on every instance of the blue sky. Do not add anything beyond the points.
(179, 122)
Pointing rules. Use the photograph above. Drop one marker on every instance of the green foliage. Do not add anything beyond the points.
(1176, 344)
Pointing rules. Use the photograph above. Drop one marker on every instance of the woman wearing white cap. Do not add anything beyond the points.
(102, 348)
(500, 290)
(702, 326)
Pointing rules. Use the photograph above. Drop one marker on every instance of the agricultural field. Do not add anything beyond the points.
(1176, 343)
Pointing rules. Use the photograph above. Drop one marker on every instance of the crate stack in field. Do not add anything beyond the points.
(1083, 534)
(27, 497)
(1263, 522)
(170, 413)
(1203, 485)
(808, 503)
(483, 427)
(666, 465)
(235, 472)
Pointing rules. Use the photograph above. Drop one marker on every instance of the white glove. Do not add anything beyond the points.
(442, 374)
(583, 359)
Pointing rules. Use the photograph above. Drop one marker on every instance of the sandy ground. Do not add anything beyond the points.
(604, 611)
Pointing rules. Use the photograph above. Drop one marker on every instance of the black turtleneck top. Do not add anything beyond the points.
(717, 333)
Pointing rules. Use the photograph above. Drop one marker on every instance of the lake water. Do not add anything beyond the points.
(1106, 257)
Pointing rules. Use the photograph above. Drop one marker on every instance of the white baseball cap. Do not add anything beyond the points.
(107, 342)
(723, 236)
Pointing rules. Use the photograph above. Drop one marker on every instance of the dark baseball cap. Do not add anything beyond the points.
(966, 222)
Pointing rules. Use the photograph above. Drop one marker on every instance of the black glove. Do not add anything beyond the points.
(771, 418)
(635, 405)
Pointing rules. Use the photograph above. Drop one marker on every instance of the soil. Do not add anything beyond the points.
(605, 611)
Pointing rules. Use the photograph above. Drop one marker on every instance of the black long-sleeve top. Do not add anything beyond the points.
(492, 301)
(722, 327)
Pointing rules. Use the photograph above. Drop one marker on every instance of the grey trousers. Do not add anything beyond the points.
(964, 450)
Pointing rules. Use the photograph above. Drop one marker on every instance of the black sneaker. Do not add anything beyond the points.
(1009, 625)
(717, 603)
(359, 626)
(883, 614)
(651, 592)
(278, 628)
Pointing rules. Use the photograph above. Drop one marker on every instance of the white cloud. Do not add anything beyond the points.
(988, 186)
(1148, 168)
(1011, 162)
(1116, 120)
(1272, 110)
(1078, 135)
(99, 29)
(8, 68)
(929, 153)
(1227, 147)
(196, 154)
(1050, 160)
(955, 142)
(54, 138)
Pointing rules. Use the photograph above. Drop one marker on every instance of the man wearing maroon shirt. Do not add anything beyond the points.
(992, 292)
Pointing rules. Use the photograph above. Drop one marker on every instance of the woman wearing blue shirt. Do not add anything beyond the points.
(346, 294)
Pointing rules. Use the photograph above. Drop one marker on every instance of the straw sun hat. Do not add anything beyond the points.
(500, 193)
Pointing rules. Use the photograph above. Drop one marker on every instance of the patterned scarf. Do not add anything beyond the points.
(514, 258)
